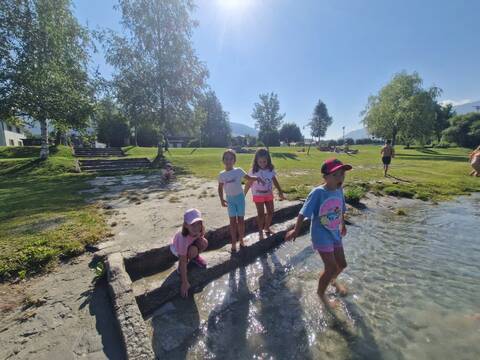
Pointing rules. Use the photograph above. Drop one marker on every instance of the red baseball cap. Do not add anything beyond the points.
(331, 165)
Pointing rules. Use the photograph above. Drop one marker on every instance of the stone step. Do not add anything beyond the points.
(98, 152)
(113, 165)
(113, 161)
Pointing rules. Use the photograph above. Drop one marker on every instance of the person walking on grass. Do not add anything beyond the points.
(263, 168)
(325, 207)
(475, 161)
(230, 182)
(187, 245)
(387, 152)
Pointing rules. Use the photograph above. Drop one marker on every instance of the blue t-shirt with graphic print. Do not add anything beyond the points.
(324, 208)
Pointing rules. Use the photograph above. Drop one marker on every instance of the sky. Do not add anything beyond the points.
(335, 50)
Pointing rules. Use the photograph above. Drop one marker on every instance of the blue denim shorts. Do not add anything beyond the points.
(236, 205)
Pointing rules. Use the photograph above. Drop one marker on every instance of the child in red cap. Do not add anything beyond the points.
(325, 206)
(187, 244)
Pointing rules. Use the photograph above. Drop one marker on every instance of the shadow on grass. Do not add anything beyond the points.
(284, 155)
(457, 158)
(398, 179)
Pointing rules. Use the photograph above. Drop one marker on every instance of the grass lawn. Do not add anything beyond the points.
(435, 174)
(42, 215)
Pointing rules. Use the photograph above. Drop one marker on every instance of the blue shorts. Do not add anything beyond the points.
(327, 244)
(236, 205)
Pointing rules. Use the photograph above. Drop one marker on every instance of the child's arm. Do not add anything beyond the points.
(393, 152)
(254, 178)
(343, 228)
(220, 194)
(292, 234)
(183, 276)
(247, 187)
(277, 185)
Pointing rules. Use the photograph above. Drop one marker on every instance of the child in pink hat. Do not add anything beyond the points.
(187, 244)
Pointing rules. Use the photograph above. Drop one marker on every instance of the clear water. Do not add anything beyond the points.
(414, 293)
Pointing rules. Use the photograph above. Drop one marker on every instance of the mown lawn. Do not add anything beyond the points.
(435, 174)
(42, 215)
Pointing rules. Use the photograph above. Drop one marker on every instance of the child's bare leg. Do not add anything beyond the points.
(326, 276)
(233, 232)
(192, 252)
(260, 219)
(341, 264)
(241, 230)
(268, 217)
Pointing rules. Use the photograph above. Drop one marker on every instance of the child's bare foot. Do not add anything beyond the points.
(329, 303)
(242, 243)
(341, 289)
(233, 249)
(269, 232)
(260, 235)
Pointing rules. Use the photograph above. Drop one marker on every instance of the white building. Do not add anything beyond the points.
(11, 135)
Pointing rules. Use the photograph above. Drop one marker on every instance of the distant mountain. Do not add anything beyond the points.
(242, 130)
(357, 134)
(467, 108)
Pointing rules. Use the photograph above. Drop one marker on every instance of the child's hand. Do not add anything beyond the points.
(343, 230)
(184, 289)
(223, 202)
(290, 235)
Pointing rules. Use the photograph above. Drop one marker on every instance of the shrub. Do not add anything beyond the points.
(395, 191)
(353, 194)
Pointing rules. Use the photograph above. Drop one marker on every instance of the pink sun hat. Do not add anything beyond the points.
(192, 216)
(331, 165)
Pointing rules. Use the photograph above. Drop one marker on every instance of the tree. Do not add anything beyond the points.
(215, 130)
(290, 132)
(43, 67)
(268, 119)
(464, 130)
(402, 108)
(442, 114)
(269, 137)
(111, 125)
(158, 77)
(319, 122)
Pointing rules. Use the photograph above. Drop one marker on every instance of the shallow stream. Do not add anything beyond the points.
(414, 293)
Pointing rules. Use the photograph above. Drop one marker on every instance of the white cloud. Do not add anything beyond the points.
(456, 102)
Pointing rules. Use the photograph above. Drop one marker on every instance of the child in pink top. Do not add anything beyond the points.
(187, 244)
(262, 192)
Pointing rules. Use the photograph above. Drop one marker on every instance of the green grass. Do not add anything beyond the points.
(43, 217)
(427, 174)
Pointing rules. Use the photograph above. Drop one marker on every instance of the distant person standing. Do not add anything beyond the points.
(388, 152)
(475, 162)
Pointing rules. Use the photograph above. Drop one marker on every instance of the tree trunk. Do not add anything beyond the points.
(135, 129)
(394, 137)
(44, 134)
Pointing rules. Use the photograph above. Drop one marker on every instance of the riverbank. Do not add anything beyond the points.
(67, 304)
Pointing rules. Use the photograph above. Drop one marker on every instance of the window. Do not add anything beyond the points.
(11, 142)
(18, 130)
(9, 128)
(20, 143)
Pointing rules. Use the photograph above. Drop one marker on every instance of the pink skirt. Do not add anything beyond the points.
(262, 198)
